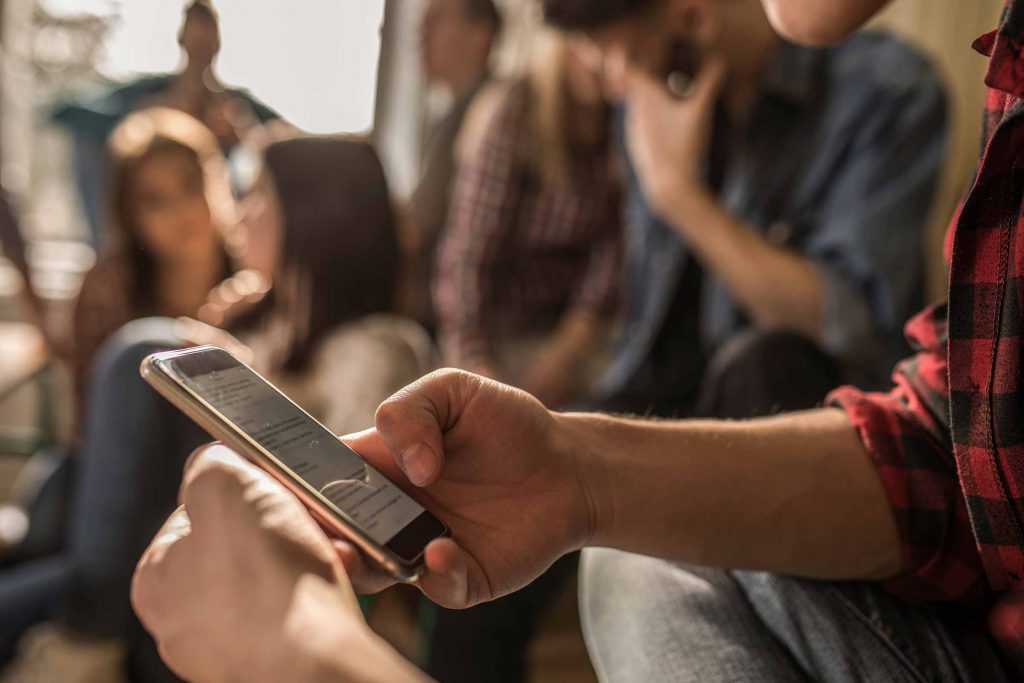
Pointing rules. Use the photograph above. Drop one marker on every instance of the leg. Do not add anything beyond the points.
(29, 594)
(131, 459)
(489, 642)
(649, 620)
(853, 631)
(761, 372)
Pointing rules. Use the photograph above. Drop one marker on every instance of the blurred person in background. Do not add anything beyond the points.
(320, 221)
(528, 269)
(171, 214)
(783, 251)
(456, 39)
(526, 284)
(229, 112)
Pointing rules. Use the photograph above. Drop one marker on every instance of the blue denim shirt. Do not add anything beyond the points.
(839, 161)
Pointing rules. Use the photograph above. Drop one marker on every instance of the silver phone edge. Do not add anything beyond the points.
(181, 399)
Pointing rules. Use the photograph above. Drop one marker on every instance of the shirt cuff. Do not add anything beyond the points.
(939, 556)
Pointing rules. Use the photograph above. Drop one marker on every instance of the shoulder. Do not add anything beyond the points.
(389, 338)
(263, 112)
(884, 62)
(506, 103)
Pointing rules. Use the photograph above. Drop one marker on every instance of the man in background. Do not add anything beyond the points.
(787, 256)
(456, 38)
(194, 89)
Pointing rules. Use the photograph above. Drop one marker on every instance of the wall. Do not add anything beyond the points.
(945, 29)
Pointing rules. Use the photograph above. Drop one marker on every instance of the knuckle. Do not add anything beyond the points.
(212, 484)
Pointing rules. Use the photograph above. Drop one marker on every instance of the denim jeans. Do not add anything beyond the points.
(649, 620)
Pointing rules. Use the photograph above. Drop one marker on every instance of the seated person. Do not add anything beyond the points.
(788, 255)
(171, 215)
(319, 220)
(527, 274)
(456, 38)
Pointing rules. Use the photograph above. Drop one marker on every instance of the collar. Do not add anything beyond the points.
(1005, 49)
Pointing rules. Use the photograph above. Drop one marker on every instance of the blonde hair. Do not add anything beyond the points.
(554, 141)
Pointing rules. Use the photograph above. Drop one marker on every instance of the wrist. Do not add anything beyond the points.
(687, 206)
(333, 643)
(592, 503)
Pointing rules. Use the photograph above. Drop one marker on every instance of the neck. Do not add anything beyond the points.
(184, 284)
(747, 79)
(749, 59)
(463, 82)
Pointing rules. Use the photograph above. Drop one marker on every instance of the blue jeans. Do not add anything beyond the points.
(126, 483)
(649, 620)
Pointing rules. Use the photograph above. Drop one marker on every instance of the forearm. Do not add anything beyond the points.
(794, 494)
(332, 647)
(776, 287)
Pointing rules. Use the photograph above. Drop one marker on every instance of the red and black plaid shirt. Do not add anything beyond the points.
(948, 441)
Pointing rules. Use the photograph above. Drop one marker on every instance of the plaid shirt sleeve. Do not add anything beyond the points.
(487, 192)
(906, 432)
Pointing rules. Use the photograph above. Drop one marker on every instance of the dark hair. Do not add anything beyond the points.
(143, 136)
(585, 15)
(340, 239)
(201, 9)
(483, 11)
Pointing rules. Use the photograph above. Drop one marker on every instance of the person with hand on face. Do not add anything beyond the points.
(776, 211)
(873, 535)
(456, 39)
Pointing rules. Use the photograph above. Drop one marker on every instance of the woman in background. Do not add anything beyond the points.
(527, 277)
(319, 219)
(528, 270)
(170, 209)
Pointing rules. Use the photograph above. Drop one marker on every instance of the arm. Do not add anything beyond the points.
(484, 211)
(744, 261)
(667, 141)
(557, 372)
(795, 494)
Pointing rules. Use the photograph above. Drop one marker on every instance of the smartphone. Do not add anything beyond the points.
(345, 493)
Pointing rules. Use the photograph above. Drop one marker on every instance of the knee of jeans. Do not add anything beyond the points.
(752, 350)
(121, 355)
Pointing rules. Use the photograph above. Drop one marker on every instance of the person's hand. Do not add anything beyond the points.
(556, 371)
(668, 138)
(494, 465)
(554, 375)
(242, 584)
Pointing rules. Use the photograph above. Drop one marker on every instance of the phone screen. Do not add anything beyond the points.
(364, 496)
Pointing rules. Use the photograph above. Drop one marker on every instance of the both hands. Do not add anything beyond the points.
(242, 582)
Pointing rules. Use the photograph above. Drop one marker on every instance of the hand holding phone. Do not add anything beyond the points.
(347, 495)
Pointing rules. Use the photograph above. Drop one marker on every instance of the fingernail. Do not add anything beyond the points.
(417, 462)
